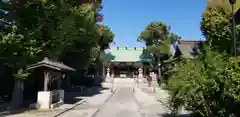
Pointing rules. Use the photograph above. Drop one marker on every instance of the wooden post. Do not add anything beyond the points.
(46, 79)
(59, 77)
(68, 82)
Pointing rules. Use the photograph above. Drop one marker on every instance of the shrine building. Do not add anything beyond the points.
(122, 62)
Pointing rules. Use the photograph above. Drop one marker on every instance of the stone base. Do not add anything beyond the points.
(44, 99)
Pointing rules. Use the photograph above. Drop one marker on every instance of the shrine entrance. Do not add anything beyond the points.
(123, 69)
(124, 62)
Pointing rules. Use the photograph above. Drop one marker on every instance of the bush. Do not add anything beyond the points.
(208, 85)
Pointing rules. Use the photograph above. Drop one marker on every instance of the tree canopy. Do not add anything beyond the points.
(52, 29)
(207, 84)
(158, 37)
(154, 33)
(63, 30)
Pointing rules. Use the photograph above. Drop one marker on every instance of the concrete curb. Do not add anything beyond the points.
(99, 109)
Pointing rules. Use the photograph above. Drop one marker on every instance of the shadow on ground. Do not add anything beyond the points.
(9, 112)
(75, 95)
(181, 115)
(78, 93)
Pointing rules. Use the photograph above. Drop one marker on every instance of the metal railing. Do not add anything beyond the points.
(55, 97)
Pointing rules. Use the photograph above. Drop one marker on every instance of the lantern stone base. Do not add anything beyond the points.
(45, 99)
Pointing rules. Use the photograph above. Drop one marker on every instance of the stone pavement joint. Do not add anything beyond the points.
(96, 102)
(126, 103)
(98, 110)
(67, 110)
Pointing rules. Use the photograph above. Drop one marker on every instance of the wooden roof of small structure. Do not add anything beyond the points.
(51, 64)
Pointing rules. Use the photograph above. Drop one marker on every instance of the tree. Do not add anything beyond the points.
(206, 84)
(61, 30)
(16, 53)
(154, 33)
(216, 27)
(158, 39)
(106, 35)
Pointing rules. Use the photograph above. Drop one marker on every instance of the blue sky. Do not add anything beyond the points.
(127, 18)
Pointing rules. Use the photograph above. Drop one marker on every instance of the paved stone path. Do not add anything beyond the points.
(126, 103)
(122, 104)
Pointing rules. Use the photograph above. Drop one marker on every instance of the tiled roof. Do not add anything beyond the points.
(126, 55)
(186, 47)
(51, 64)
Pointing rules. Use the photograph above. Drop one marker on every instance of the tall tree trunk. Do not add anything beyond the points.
(97, 75)
(103, 73)
(17, 94)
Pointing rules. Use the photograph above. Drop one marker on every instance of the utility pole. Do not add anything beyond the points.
(233, 2)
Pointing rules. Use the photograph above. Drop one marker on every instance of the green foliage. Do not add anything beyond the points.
(154, 33)
(216, 27)
(158, 38)
(107, 36)
(208, 85)
(21, 74)
(164, 47)
(62, 30)
(15, 49)
(223, 3)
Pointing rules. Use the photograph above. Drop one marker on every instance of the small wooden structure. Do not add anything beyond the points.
(53, 71)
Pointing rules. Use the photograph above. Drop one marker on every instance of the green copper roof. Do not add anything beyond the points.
(126, 55)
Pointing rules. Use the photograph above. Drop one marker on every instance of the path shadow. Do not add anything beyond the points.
(3, 106)
(181, 115)
(7, 112)
(75, 95)
(78, 93)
